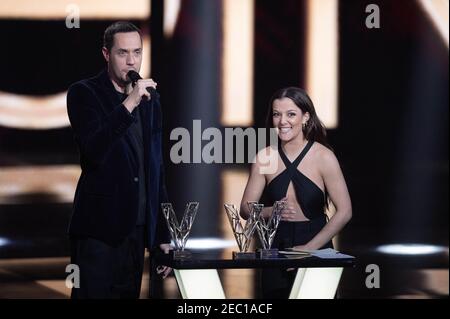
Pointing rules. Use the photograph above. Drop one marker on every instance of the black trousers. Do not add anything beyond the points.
(109, 272)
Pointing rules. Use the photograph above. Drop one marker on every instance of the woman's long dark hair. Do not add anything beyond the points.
(314, 130)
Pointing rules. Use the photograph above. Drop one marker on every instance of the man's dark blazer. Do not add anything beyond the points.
(106, 199)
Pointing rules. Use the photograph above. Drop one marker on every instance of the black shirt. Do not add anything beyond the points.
(135, 132)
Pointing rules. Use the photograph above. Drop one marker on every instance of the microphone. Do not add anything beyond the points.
(134, 77)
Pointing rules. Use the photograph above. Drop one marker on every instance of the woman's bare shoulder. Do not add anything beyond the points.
(324, 156)
(265, 154)
(266, 160)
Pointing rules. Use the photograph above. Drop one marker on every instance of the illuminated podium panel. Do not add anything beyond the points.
(316, 278)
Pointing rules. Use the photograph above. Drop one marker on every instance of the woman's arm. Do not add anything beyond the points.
(266, 163)
(337, 189)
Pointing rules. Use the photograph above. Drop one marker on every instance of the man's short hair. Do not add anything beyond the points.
(118, 27)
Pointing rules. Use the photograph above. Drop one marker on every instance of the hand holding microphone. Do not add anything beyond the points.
(141, 88)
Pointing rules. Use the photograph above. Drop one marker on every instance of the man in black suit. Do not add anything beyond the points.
(116, 212)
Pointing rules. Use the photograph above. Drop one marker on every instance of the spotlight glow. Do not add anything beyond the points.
(237, 64)
(55, 9)
(58, 181)
(3, 241)
(171, 14)
(209, 243)
(411, 249)
(322, 63)
(437, 11)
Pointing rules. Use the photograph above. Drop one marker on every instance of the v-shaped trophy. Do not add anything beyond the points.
(243, 233)
(180, 232)
(267, 228)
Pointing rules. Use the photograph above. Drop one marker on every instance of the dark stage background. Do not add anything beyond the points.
(391, 138)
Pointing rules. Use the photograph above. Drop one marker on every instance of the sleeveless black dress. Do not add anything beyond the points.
(277, 283)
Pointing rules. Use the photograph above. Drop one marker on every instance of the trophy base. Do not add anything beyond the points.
(180, 254)
(241, 255)
(267, 253)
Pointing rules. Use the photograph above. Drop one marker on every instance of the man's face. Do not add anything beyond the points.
(125, 55)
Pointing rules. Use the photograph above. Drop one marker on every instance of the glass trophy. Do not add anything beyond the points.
(267, 228)
(243, 234)
(180, 232)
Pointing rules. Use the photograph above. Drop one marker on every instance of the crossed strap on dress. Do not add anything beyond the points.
(292, 167)
(309, 195)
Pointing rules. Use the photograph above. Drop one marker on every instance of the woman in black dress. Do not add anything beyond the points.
(304, 171)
